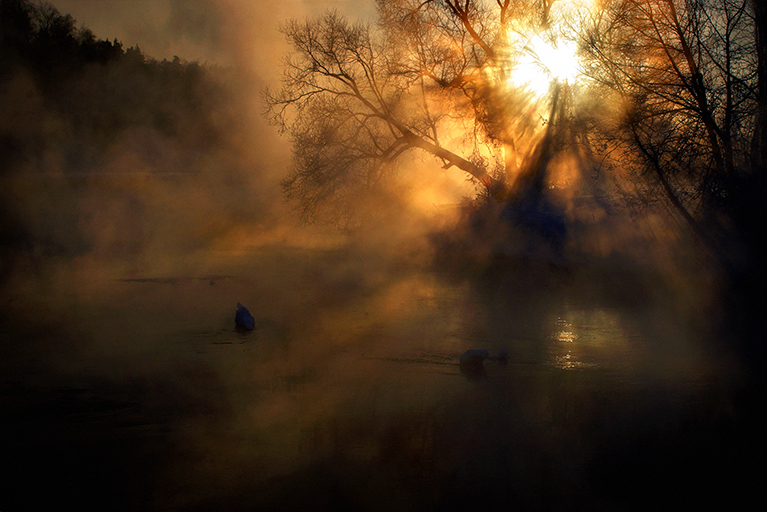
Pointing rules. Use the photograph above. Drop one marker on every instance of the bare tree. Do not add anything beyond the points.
(356, 97)
(683, 74)
(678, 85)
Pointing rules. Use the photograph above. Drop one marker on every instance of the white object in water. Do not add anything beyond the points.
(243, 319)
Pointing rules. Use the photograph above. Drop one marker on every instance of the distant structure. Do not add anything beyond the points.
(243, 320)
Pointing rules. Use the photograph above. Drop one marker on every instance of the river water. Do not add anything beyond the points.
(133, 390)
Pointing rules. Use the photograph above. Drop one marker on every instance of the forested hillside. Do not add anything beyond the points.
(75, 108)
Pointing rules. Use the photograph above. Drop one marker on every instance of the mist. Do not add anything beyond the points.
(142, 201)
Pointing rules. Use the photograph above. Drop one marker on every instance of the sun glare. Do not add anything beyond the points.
(541, 58)
(541, 63)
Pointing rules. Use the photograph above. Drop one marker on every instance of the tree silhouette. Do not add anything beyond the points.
(71, 102)
(431, 76)
(102, 90)
(684, 75)
(674, 97)
(689, 131)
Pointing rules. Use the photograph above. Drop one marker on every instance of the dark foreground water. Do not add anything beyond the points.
(127, 390)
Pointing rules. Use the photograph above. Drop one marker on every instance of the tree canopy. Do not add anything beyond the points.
(75, 106)
(669, 94)
(685, 78)
(429, 76)
(97, 88)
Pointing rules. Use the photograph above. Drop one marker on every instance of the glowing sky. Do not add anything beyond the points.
(213, 31)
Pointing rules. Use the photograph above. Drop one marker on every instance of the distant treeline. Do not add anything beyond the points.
(93, 90)
(86, 123)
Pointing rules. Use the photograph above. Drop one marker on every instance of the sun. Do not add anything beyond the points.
(542, 62)
(542, 56)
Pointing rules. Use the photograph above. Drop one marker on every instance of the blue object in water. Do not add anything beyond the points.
(243, 319)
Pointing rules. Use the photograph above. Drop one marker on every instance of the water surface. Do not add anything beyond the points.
(135, 391)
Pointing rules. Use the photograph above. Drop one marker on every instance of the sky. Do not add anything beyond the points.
(228, 32)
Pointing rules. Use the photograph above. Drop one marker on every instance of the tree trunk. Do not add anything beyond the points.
(532, 173)
(759, 143)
